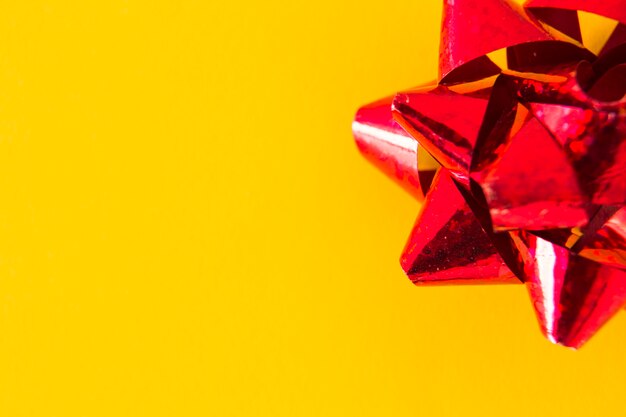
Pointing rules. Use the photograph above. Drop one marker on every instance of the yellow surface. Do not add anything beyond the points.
(187, 229)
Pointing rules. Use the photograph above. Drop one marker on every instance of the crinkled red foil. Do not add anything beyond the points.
(532, 183)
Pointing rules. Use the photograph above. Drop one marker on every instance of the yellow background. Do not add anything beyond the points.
(187, 229)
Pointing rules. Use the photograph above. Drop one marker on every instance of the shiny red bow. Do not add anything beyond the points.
(532, 183)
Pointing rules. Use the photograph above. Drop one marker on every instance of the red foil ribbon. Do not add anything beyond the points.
(532, 183)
